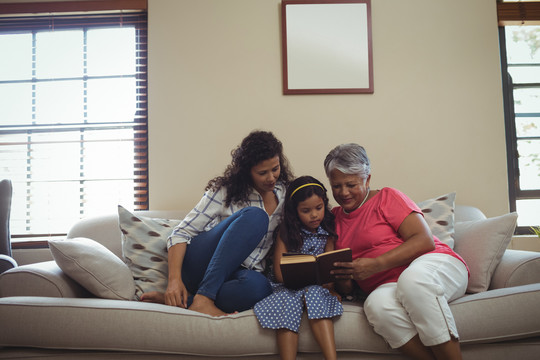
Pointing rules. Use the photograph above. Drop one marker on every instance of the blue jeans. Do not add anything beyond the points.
(212, 264)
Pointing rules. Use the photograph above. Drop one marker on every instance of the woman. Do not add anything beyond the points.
(217, 252)
(410, 275)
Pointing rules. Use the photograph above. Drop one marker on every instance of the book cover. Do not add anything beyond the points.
(300, 270)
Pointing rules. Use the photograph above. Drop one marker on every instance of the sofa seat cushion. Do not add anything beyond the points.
(103, 324)
(493, 316)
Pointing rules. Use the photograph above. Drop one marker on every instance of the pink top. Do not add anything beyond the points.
(372, 230)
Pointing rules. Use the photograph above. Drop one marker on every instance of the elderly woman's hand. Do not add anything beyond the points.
(359, 269)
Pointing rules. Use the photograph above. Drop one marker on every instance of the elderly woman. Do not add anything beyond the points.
(408, 274)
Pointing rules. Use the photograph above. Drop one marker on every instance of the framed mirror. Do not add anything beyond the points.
(326, 47)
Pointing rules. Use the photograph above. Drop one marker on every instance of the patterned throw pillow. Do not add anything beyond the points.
(144, 248)
(439, 215)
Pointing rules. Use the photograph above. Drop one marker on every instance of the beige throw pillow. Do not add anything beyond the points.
(94, 267)
(482, 244)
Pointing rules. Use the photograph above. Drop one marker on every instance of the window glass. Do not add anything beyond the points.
(529, 165)
(111, 100)
(525, 74)
(110, 51)
(59, 54)
(528, 126)
(18, 65)
(526, 100)
(521, 44)
(71, 98)
(523, 64)
(59, 102)
(15, 112)
(528, 212)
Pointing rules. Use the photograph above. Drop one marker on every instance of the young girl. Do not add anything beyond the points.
(308, 228)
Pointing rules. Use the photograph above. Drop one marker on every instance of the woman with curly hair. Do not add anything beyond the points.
(216, 254)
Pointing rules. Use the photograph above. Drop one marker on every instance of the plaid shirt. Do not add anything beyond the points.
(211, 210)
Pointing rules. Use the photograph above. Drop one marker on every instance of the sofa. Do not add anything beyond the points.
(48, 311)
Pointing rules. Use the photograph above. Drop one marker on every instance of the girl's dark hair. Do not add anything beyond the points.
(256, 147)
(290, 227)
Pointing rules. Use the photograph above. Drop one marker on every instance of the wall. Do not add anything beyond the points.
(433, 125)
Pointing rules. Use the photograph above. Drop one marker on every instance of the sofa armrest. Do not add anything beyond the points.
(40, 279)
(517, 267)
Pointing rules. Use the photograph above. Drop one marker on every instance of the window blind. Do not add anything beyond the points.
(518, 13)
(73, 117)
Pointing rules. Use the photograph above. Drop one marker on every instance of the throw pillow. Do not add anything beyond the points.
(94, 267)
(144, 248)
(439, 215)
(482, 244)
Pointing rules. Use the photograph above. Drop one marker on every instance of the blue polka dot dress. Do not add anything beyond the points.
(284, 307)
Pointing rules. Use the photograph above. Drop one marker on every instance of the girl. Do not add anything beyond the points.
(307, 227)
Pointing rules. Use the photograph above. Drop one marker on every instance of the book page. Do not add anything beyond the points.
(289, 259)
(333, 252)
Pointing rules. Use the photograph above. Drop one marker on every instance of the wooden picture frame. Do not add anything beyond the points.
(327, 47)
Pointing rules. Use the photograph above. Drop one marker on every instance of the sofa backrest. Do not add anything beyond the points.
(105, 230)
(467, 213)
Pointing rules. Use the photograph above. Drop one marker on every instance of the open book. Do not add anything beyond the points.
(300, 270)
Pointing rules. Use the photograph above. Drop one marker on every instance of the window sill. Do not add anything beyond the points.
(41, 242)
(525, 242)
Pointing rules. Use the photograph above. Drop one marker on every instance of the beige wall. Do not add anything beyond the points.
(434, 124)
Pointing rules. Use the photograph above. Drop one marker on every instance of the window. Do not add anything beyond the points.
(73, 118)
(520, 54)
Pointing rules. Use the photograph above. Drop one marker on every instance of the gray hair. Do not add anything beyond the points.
(349, 159)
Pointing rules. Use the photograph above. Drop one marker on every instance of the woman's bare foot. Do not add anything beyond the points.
(206, 306)
(153, 297)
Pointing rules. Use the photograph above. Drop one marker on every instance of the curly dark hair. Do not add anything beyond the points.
(290, 227)
(258, 146)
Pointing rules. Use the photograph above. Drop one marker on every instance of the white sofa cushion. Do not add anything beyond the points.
(482, 243)
(140, 327)
(94, 267)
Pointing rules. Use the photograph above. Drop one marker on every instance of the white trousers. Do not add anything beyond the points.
(418, 302)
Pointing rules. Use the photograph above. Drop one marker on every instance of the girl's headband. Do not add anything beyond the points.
(303, 186)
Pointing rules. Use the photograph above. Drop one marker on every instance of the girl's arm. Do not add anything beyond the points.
(339, 287)
(279, 249)
(330, 246)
